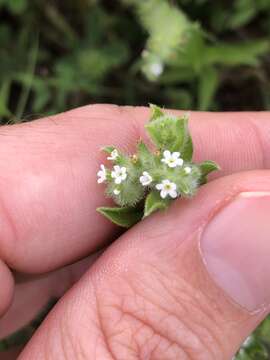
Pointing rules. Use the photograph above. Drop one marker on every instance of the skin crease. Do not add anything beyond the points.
(50, 167)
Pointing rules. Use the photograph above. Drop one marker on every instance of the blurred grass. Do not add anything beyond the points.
(208, 55)
(188, 54)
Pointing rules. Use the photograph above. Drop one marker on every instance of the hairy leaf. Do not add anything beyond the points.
(154, 202)
(125, 216)
(206, 168)
(156, 112)
(171, 133)
(146, 157)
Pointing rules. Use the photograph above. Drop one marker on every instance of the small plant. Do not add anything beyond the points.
(149, 181)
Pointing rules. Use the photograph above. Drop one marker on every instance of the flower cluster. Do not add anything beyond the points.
(166, 187)
(148, 181)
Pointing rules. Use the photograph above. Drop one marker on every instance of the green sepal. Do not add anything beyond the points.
(156, 112)
(186, 147)
(206, 168)
(108, 149)
(184, 187)
(131, 193)
(154, 202)
(171, 133)
(143, 151)
(145, 156)
(124, 216)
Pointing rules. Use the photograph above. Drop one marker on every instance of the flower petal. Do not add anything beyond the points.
(163, 193)
(173, 194)
(180, 162)
(166, 154)
(175, 155)
(166, 182)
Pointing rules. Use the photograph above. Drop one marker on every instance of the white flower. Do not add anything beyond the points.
(101, 174)
(114, 155)
(167, 188)
(116, 192)
(156, 68)
(187, 169)
(119, 174)
(146, 178)
(172, 159)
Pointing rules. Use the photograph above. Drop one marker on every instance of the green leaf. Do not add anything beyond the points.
(143, 150)
(125, 216)
(145, 156)
(186, 145)
(171, 133)
(208, 83)
(17, 6)
(108, 149)
(252, 349)
(244, 53)
(242, 13)
(154, 202)
(206, 167)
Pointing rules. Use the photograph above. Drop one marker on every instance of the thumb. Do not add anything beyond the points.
(190, 283)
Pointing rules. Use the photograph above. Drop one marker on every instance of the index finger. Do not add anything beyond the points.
(48, 188)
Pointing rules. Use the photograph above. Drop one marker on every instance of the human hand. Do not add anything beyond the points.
(190, 283)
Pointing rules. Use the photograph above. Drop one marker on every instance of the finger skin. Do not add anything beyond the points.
(149, 296)
(48, 188)
(7, 288)
(48, 191)
(21, 304)
(10, 355)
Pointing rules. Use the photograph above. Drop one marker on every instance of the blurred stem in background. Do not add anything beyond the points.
(26, 88)
(185, 54)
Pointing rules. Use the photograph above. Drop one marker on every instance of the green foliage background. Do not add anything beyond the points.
(55, 55)
(188, 54)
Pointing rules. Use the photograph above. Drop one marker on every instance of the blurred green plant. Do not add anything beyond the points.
(257, 345)
(184, 54)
